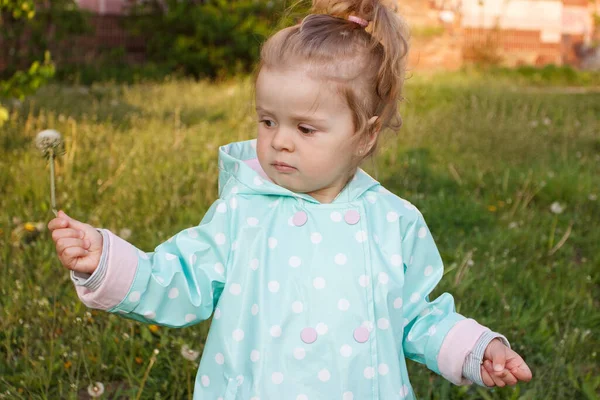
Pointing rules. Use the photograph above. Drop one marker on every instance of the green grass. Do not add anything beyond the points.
(483, 158)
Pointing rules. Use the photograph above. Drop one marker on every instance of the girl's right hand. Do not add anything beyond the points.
(78, 245)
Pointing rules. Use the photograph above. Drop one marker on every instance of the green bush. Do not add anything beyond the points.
(213, 38)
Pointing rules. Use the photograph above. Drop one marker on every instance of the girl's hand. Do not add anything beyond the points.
(78, 245)
(502, 366)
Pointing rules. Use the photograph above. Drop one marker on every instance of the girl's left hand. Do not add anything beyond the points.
(502, 366)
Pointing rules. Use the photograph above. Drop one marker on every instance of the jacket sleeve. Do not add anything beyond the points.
(178, 284)
(434, 334)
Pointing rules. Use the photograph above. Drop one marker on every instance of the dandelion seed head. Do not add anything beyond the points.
(188, 353)
(557, 208)
(49, 142)
(96, 389)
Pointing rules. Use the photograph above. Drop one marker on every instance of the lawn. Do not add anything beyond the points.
(507, 176)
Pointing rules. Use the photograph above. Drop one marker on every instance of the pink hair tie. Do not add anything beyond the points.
(360, 21)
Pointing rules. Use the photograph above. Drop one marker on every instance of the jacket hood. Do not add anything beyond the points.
(240, 172)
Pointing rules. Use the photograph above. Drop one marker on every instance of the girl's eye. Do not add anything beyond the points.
(306, 130)
(268, 123)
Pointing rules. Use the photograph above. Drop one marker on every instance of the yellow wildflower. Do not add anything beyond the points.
(29, 227)
(492, 208)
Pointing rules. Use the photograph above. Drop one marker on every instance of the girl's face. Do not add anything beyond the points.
(305, 134)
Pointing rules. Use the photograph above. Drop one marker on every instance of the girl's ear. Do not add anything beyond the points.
(374, 127)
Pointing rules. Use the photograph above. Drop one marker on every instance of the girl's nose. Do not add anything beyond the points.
(283, 140)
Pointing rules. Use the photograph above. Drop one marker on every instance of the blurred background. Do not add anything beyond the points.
(500, 150)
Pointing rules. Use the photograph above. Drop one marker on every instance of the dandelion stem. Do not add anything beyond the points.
(52, 186)
(152, 361)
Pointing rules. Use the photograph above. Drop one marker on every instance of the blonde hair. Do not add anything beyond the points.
(367, 65)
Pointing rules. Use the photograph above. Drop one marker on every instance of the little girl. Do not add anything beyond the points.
(317, 277)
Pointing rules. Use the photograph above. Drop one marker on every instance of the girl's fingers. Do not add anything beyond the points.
(487, 379)
(490, 369)
(57, 223)
(74, 252)
(67, 233)
(66, 243)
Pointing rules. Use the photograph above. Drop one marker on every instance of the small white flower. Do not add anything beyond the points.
(96, 389)
(188, 353)
(593, 197)
(125, 233)
(557, 208)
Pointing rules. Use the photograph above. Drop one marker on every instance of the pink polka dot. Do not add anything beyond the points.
(361, 334)
(352, 217)
(308, 335)
(300, 218)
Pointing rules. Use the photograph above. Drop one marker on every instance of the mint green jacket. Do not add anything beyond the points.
(309, 301)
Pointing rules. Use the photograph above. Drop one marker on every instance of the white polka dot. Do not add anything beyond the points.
(205, 380)
(238, 335)
(220, 359)
(159, 279)
(273, 286)
(415, 297)
(258, 181)
(383, 369)
(369, 372)
(383, 323)
(253, 143)
(220, 238)
(343, 305)
(319, 283)
(316, 237)
(252, 221)
(297, 307)
(254, 309)
(192, 233)
(302, 397)
(217, 313)
(341, 259)
(336, 216)
(324, 375)
(411, 260)
(222, 208)
(428, 270)
(193, 259)
(299, 353)
(361, 236)
(383, 278)
(272, 242)
(275, 331)
(173, 293)
(321, 328)
(346, 351)
(291, 221)
(254, 264)
(363, 280)
(143, 255)
(408, 205)
(255, 355)
(274, 204)
(376, 238)
(392, 216)
(170, 257)
(135, 296)
(235, 289)
(405, 322)
(422, 232)
(396, 260)
(190, 317)
(234, 245)
(410, 336)
(233, 203)
(240, 380)
(398, 302)
(150, 314)
(368, 325)
(404, 391)
(431, 331)
(255, 398)
(277, 378)
(371, 198)
(295, 262)
(219, 268)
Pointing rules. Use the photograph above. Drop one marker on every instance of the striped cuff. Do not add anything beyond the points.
(474, 360)
(94, 280)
